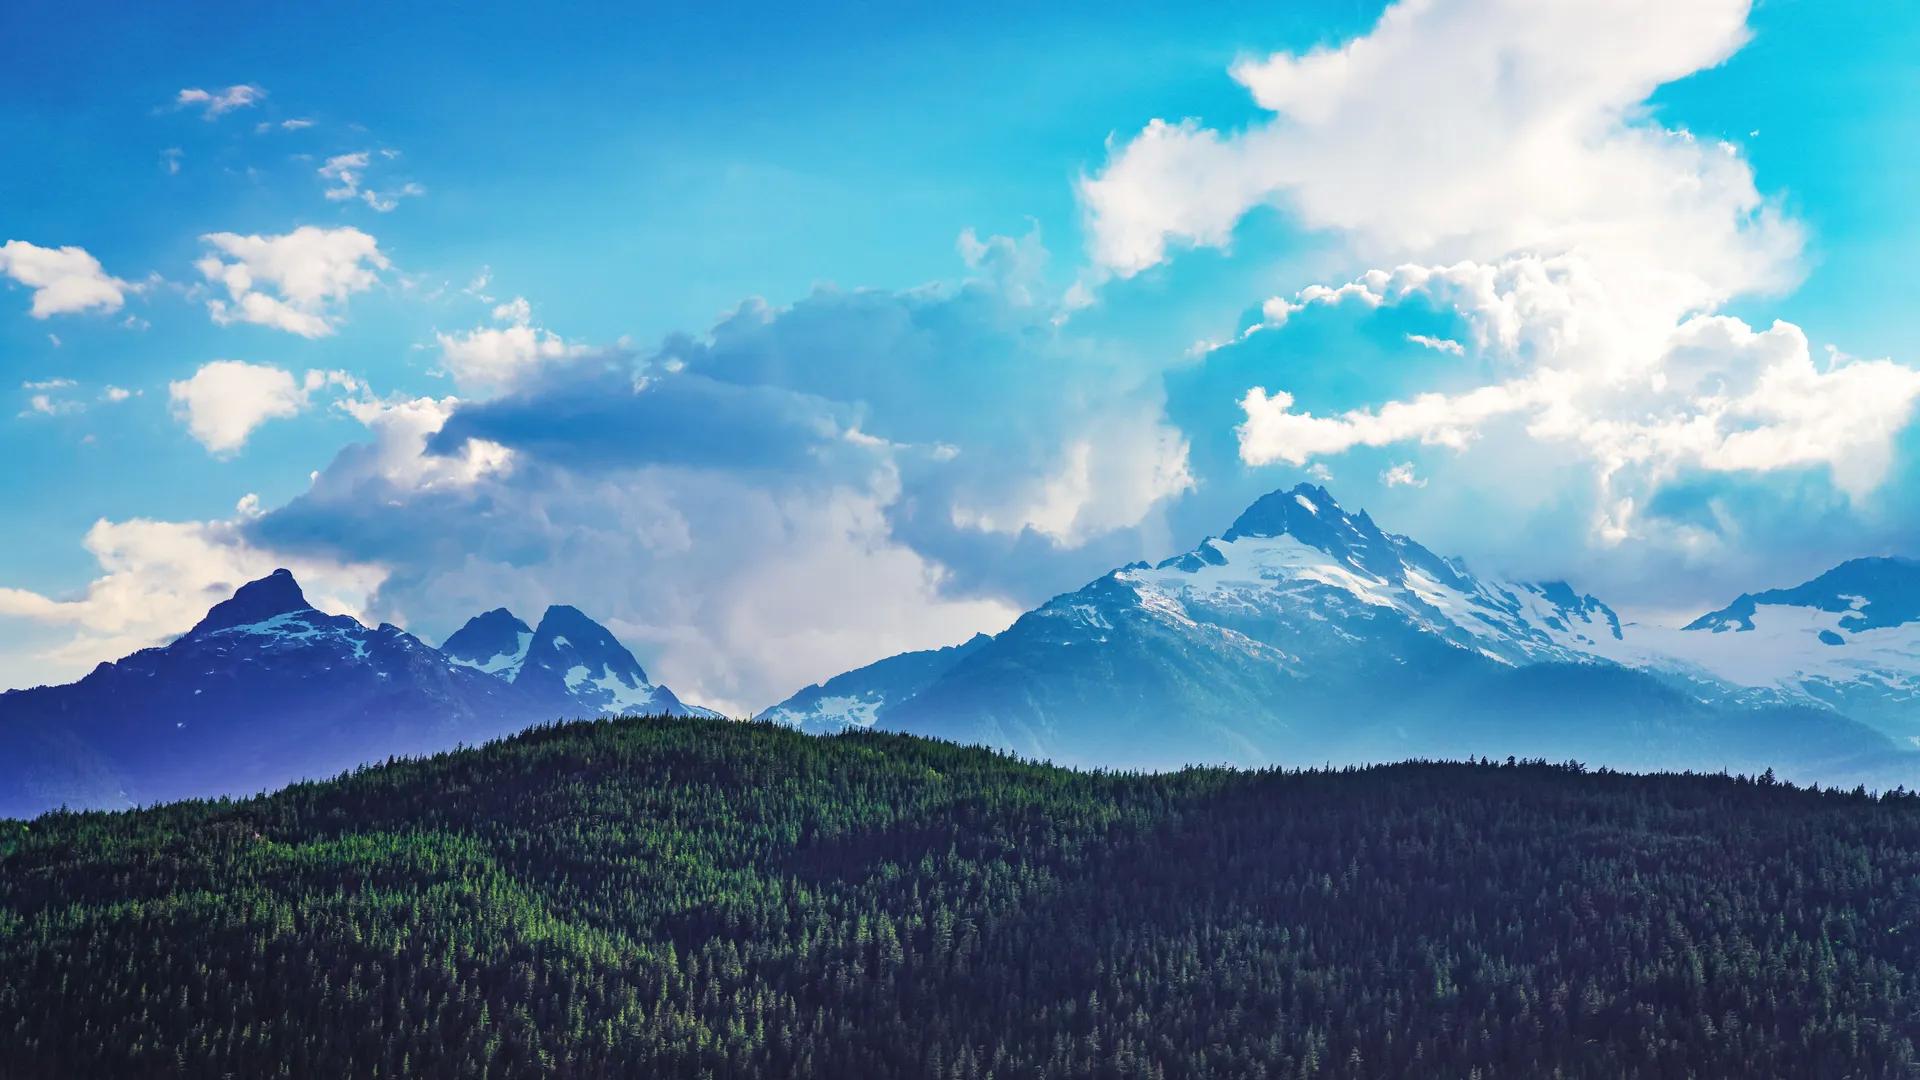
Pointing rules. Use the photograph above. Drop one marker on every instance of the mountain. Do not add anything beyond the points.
(569, 659)
(266, 690)
(495, 642)
(855, 698)
(1305, 634)
(687, 897)
(1848, 639)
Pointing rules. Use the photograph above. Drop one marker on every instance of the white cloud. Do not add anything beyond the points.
(170, 160)
(294, 282)
(398, 460)
(1402, 475)
(1461, 129)
(344, 175)
(45, 398)
(1438, 344)
(117, 394)
(213, 103)
(48, 405)
(516, 311)
(1643, 392)
(225, 400)
(294, 124)
(493, 359)
(64, 280)
(1104, 481)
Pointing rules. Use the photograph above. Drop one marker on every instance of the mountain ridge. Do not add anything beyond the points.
(1324, 636)
(265, 689)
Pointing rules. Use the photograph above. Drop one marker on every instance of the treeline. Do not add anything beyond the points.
(711, 899)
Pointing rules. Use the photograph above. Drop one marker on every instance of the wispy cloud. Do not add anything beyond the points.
(214, 103)
(345, 175)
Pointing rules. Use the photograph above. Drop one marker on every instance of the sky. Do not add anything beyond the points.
(782, 338)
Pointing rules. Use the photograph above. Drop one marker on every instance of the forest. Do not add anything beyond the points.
(700, 898)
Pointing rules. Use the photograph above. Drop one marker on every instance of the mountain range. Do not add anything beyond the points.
(1306, 634)
(1303, 634)
(266, 690)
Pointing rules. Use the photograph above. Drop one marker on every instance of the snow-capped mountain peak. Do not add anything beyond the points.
(1296, 554)
(263, 690)
(1310, 515)
(568, 658)
(566, 639)
(495, 642)
(572, 653)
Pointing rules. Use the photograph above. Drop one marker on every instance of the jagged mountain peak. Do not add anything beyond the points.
(1305, 512)
(567, 638)
(495, 642)
(256, 601)
(1309, 515)
(568, 658)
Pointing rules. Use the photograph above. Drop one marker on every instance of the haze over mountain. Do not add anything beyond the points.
(266, 689)
(1306, 633)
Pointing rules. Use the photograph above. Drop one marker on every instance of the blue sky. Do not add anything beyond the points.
(849, 329)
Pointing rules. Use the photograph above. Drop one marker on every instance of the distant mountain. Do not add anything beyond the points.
(568, 658)
(495, 642)
(1306, 634)
(1848, 639)
(265, 690)
(855, 698)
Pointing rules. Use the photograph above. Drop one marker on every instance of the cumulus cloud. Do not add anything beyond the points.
(682, 511)
(1645, 398)
(344, 176)
(225, 400)
(64, 280)
(296, 282)
(1468, 129)
(798, 490)
(214, 103)
(490, 359)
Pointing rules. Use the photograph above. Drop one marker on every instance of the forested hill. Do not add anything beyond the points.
(703, 898)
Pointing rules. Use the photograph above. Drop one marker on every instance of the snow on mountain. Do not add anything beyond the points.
(1848, 639)
(857, 698)
(1306, 633)
(265, 690)
(569, 658)
(1299, 550)
(495, 642)
(262, 691)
